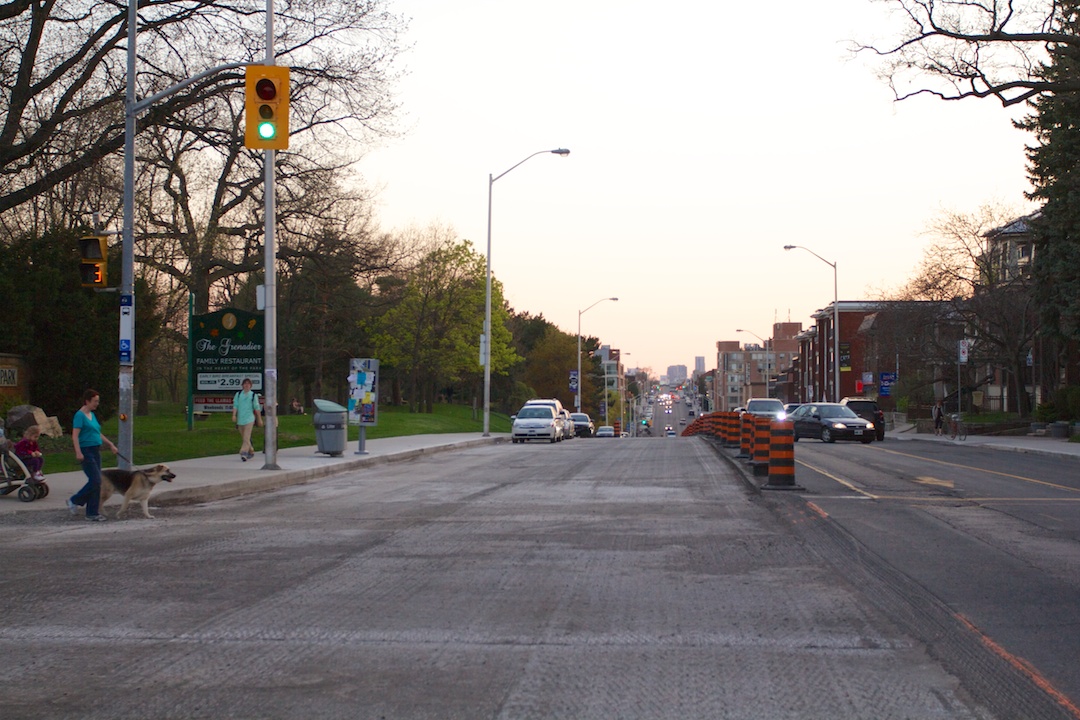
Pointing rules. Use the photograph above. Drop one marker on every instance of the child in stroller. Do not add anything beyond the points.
(29, 452)
(15, 476)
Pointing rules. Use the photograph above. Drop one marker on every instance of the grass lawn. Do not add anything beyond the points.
(163, 435)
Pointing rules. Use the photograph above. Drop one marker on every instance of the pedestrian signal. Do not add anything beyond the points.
(266, 107)
(94, 261)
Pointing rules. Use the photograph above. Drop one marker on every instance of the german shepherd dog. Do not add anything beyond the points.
(134, 485)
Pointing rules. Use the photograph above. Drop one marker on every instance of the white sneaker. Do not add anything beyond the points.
(72, 507)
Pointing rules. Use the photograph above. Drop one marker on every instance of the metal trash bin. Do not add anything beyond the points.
(331, 427)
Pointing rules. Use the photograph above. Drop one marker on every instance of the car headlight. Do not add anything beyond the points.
(869, 426)
(839, 426)
(781, 415)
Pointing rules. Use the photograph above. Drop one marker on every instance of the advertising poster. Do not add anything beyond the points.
(363, 391)
(227, 347)
(845, 357)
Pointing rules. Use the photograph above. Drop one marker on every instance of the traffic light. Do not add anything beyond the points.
(94, 262)
(266, 107)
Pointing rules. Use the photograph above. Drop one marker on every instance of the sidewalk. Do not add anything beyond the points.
(216, 478)
(1037, 445)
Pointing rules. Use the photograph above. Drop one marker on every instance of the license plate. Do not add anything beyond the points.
(858, 432)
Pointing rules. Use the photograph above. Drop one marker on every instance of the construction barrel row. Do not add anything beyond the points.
(767, 445)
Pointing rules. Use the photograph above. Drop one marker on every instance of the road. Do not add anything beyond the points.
(623, 578)
(992, 535)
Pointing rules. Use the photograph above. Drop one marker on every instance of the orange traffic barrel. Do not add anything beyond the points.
(782, 456)
(733, 433)
(759, 458)
(746, 435)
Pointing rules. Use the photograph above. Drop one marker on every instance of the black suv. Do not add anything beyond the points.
(868, 409)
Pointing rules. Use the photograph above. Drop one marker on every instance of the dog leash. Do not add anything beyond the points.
(117, 454)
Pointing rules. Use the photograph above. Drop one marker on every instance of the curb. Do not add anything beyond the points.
(718, 448)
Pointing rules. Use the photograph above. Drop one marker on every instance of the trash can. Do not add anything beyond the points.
(331, 427)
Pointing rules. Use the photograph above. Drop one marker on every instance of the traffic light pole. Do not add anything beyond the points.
(270, 267)
(270, 317)
(126, 400)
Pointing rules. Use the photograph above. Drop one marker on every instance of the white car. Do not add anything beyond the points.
(568, 429)
(605, 431)
(766, 407)
(536, 422)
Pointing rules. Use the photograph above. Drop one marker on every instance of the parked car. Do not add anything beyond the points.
(605, 431)
(867, 409)
(568, 430)
(830, 422)
(583, 425)
(553, 402)
(766, 407)
(536, 422)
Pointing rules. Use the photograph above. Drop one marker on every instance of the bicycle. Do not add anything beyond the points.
(957, 428)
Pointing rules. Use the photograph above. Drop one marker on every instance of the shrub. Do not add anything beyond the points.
(1047, 412)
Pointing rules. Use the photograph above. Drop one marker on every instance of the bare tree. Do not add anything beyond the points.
(962, 274)
(955, 49)
(62, 74)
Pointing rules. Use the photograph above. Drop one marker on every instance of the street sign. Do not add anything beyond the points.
(886, 381)
(964, 348)
(573, 381)
(127, 329)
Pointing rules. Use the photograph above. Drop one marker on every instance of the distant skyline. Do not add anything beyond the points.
(697, 152)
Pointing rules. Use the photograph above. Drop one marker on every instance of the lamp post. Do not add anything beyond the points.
(577, 400)
(768, 387)
(487, 297)
(836, 321)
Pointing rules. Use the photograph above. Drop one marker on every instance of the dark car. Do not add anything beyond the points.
(583, 425)
(830, 422)
(868, 409)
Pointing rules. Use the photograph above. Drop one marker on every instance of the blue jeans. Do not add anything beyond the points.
(90, 494)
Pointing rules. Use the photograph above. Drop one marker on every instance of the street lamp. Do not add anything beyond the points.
(577, 401)
(768, 387)
(487, 298)
(836, 321)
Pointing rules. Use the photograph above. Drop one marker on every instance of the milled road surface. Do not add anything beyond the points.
(590, 579)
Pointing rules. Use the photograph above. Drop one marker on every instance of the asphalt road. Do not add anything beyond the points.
(632, 578)
(992, 536)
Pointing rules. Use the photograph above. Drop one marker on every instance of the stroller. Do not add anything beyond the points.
(14, 475)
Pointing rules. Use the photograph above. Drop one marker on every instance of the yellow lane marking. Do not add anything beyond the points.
(922, 480)
(843, 482)
(989, 472)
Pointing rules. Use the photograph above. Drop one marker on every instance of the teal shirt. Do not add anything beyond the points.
(89, 429)
(246, 403)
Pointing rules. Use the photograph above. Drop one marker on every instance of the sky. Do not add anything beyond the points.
(703, 137)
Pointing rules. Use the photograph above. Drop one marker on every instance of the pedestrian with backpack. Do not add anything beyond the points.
(246, 413)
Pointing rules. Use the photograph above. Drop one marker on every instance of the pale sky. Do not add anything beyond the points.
(704, 137)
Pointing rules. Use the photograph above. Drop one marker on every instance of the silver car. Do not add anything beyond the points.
(536, 422)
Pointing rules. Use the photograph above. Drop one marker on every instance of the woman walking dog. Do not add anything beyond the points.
(246, 413)
(87, 438)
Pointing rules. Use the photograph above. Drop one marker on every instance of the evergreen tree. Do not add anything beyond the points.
(1054, 170)
(67, 333)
